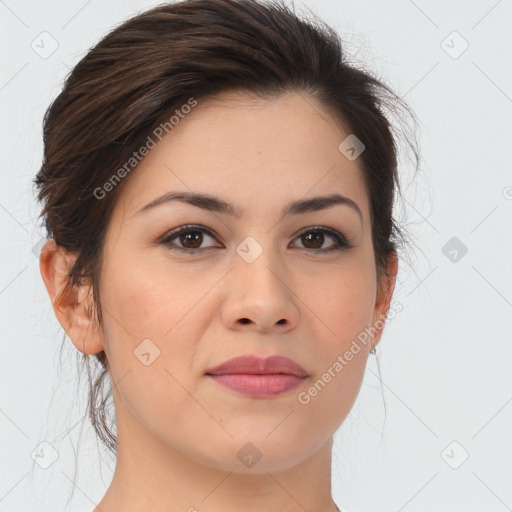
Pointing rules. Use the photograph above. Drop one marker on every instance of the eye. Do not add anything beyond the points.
(189, 239)
(314, 237)
(190, 236)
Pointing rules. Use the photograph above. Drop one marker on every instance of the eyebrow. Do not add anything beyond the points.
(215, 204)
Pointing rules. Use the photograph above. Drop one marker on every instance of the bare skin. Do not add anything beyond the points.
(179, 432)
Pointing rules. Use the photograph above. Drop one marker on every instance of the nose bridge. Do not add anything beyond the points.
(257, 264)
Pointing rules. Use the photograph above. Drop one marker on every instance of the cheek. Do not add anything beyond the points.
(343, 305)
(151, 333)
(151, 316)
(344, 308)
(149, 299)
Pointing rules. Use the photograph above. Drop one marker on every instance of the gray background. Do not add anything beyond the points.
(445, 360)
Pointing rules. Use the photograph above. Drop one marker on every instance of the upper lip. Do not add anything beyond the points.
(259, 366)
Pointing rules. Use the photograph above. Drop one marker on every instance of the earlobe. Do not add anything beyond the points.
(72, 305)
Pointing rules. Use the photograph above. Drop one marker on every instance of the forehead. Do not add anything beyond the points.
(247, 150)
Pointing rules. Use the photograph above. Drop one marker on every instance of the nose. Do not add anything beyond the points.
(260, 296)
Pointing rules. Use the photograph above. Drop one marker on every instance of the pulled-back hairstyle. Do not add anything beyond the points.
(140, 73)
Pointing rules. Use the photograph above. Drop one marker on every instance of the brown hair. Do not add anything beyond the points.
(151, 65)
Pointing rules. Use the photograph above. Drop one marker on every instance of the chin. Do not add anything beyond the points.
(253, 453)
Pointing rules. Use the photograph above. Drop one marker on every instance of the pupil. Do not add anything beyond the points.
(191, 237)
(318, 236)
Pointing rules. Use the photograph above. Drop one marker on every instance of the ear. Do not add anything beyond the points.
(384, 295)
(73, 306)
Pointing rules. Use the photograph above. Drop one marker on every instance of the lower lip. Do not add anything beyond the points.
(259, 386)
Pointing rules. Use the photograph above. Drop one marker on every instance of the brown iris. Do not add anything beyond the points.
(192, 237)
(314, 234)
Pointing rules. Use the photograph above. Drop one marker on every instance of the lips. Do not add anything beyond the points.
(255, 377)
(254, 365)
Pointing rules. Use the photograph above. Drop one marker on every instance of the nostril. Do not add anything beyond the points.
(245, 320)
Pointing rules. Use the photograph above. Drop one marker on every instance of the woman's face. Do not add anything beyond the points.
(256, 284)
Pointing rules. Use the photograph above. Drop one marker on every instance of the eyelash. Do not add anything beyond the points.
(341, 242)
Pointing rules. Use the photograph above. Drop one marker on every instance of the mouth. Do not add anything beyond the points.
(259, 378)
